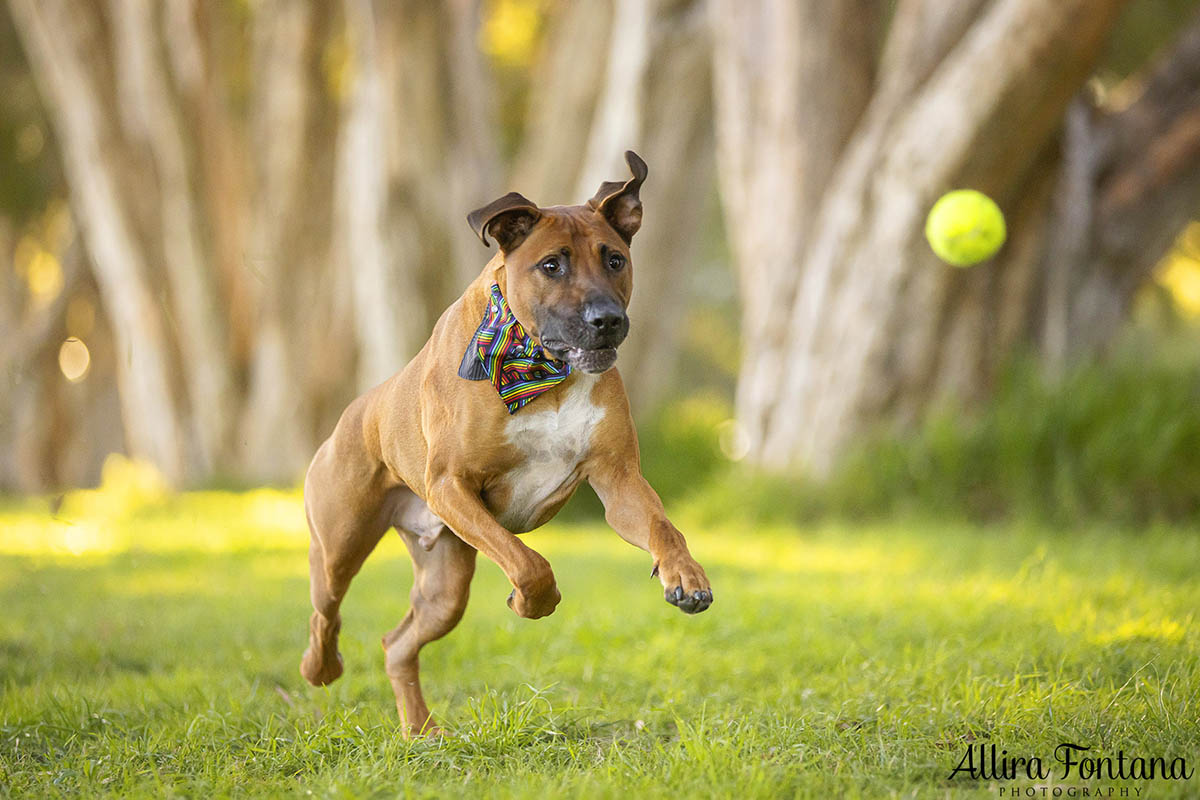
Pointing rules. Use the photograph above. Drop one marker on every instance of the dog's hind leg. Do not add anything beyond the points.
(443, 566)
(346, 518)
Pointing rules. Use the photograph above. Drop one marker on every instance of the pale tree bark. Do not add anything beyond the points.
(68, 54)
(302, 352)
(268, 265)
(152, 119)
(202, 39)
(617, 121)
(287, 41)
(566, 84)
(647, 90)
(876, 327)
(790, 82)
(676, 140)
(263, 245)
(388, 319)
(56, 434)
(472, 162)
(442, 146)
(416, 150)
(11, 302)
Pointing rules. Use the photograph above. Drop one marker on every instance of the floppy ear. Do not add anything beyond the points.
(619, 202)
(509, 220)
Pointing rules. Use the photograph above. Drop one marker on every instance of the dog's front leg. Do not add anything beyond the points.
(635, 512)
(535, 592)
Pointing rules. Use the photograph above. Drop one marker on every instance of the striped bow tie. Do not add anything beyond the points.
(503, 353)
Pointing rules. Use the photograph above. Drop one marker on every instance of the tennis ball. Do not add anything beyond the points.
(965, 227)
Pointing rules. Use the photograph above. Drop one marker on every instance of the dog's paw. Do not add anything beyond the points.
(535, 591)
(693, 603)
(319, 668)
(685, 585)
(534, 604)
(321, 664)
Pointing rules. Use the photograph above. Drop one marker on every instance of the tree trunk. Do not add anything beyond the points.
(1129, 184)
(69, 57)
(290, 237)
(646, 91)
(29, 361)
(876, 327)
(676, 140)
(152, 119)
(567, 83)
(259, 269)
(617, 121)
(790, 83)
(389, 317)
(415, 152)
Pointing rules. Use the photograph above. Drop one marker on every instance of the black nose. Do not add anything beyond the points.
(604, 316)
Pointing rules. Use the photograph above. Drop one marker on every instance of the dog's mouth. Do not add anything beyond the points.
(591, 360)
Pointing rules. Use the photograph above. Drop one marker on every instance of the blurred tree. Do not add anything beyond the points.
(227, 164)
(620, 75)
(271, 199)
(431, 132)
(831, 151)
(95, 103)
(292, 330)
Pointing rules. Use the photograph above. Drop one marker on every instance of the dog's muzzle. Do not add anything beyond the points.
(589, 340)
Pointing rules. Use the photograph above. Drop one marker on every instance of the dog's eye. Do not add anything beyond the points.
(552, 266)
(616, 261)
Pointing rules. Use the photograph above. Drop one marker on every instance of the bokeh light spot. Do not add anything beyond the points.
(1179, 272)
(74, 359)
(733, 441)
(510, 31)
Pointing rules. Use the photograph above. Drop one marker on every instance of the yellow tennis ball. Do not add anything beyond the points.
(965, 227)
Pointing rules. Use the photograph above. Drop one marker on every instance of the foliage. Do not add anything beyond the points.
(1117, 442)
(159, 659)
(1120, 444)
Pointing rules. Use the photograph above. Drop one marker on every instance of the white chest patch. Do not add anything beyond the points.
(554, 442)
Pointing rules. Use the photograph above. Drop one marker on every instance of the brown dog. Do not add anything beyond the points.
(436, 452)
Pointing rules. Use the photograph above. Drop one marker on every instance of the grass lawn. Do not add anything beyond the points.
(150, 647)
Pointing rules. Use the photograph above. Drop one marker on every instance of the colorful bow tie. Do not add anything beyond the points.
(503, 353)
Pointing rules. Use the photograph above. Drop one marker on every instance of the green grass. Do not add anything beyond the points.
(149, 646)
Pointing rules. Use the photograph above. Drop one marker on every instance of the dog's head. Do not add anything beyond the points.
(566, 271)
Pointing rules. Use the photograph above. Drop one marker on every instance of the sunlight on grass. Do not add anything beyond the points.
(759, 550)
(150, 647)
(132, 510)
(30, 534)
(1149, 626)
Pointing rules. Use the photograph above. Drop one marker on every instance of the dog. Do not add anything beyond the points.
(487, 432)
